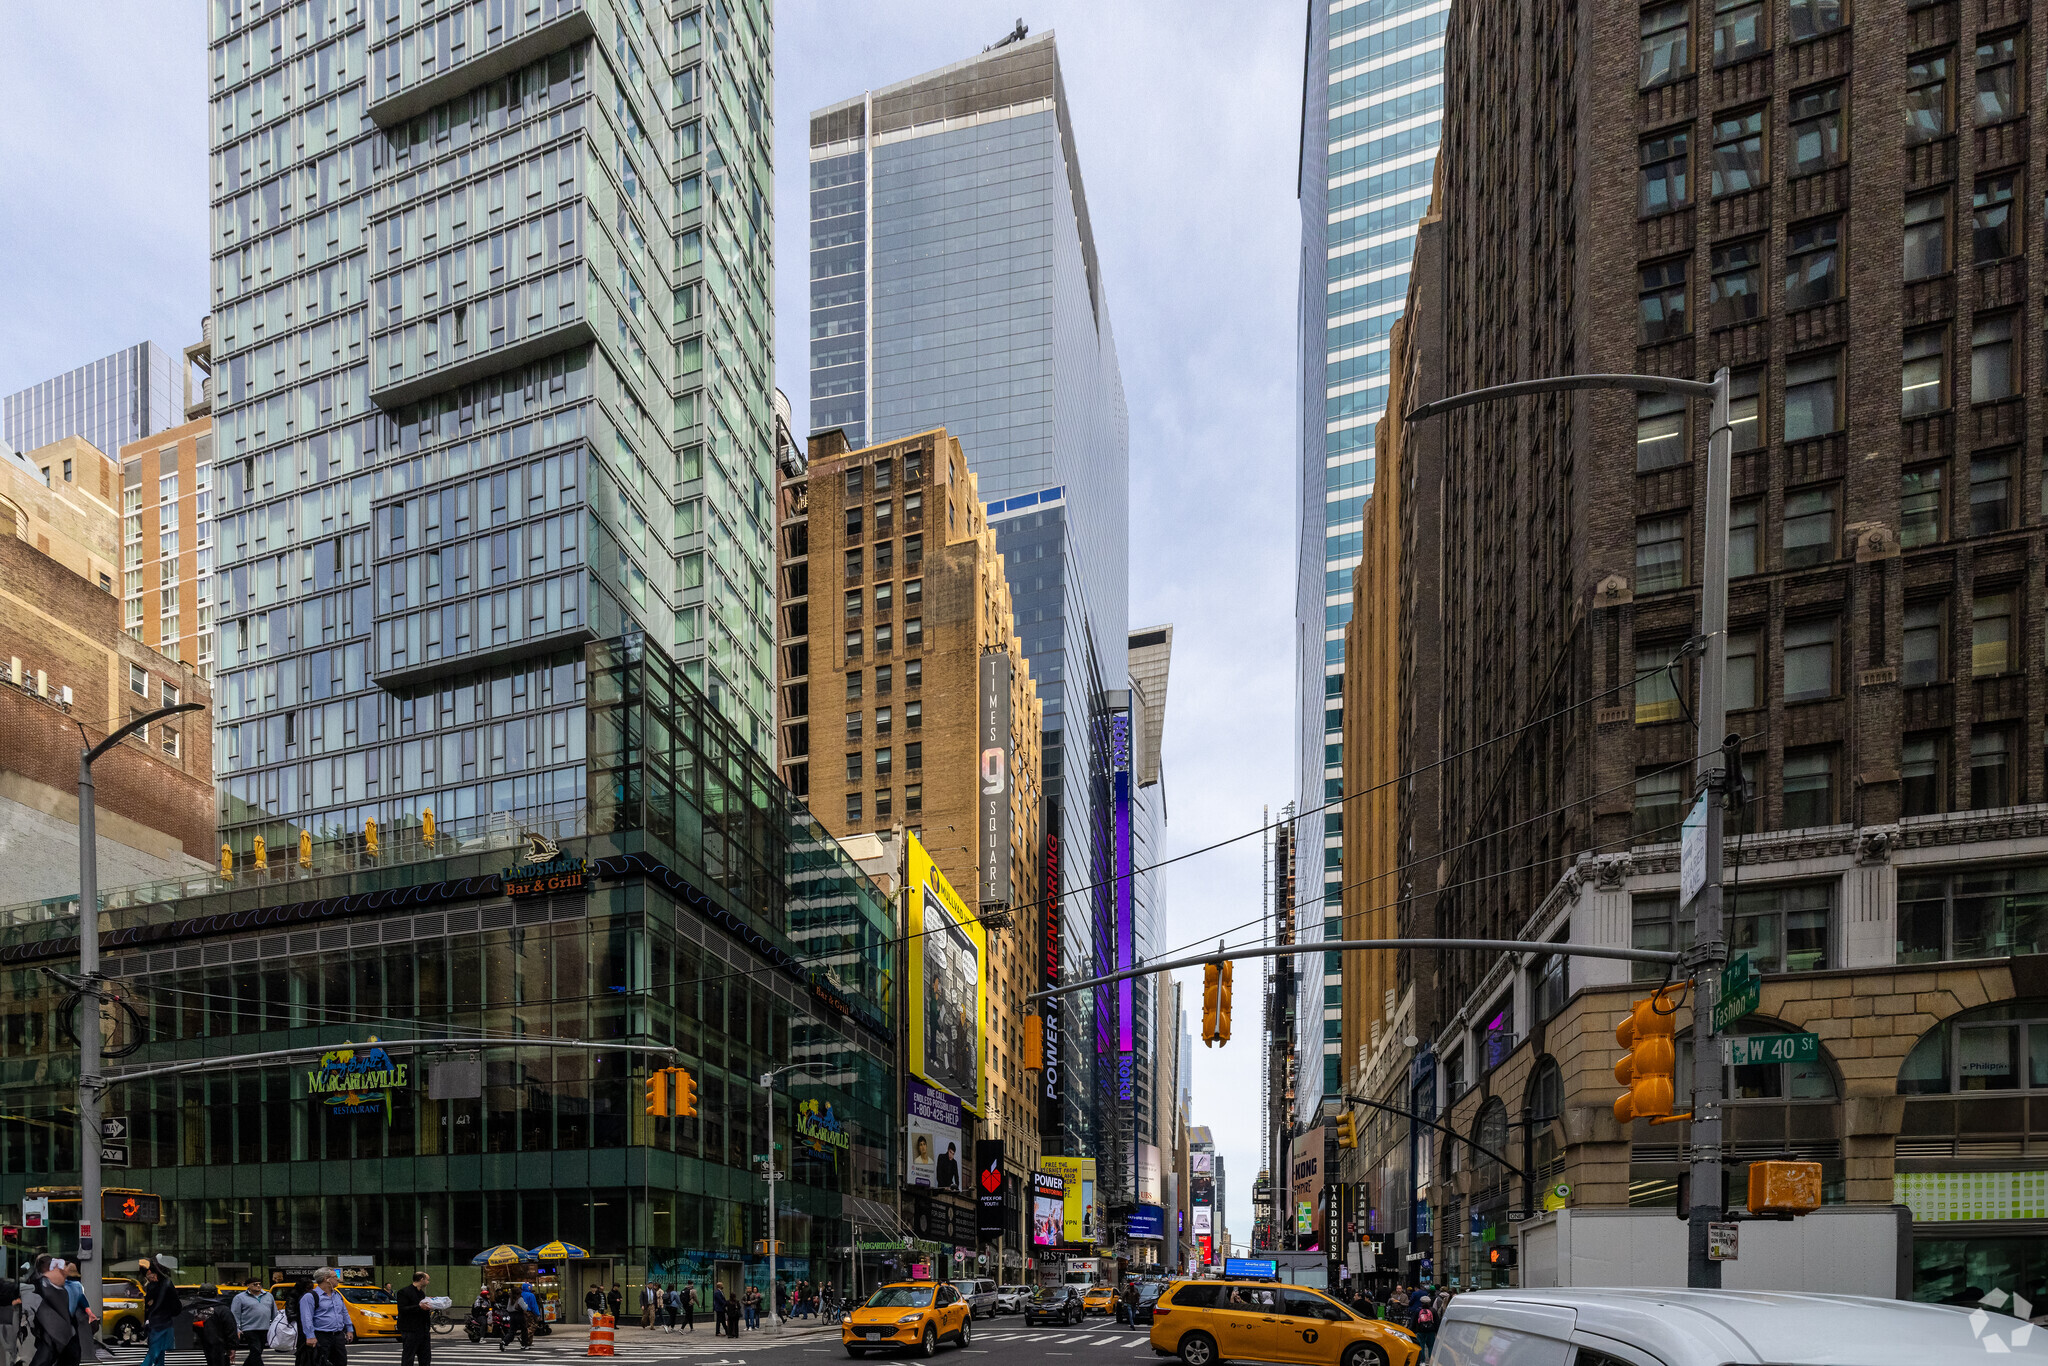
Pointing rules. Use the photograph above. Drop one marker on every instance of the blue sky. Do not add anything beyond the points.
(1186, 114)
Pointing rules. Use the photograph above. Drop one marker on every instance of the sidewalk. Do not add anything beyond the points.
(574, 1338)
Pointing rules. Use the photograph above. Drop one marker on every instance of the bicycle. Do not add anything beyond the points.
(442, 1323)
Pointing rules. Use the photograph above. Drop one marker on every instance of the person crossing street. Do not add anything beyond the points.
(324, 1323)
(253, 1311)
(415, 1323)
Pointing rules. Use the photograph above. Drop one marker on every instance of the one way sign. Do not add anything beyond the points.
(113, 1127)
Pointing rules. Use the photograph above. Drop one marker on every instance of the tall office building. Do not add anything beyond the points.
(491, 380)
(954, 283)
(1372, 97)
(110, 402)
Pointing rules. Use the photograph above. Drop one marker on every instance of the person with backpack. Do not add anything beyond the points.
(214, 1328)
(254, 1313)
(690, 1306)
(1425, 1327)
(324, 1323)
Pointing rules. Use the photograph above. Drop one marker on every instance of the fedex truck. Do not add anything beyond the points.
(1082, 1272)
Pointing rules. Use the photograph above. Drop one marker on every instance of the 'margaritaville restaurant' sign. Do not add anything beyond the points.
(358, 1080)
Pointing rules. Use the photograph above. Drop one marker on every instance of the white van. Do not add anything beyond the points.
(1591, 1327)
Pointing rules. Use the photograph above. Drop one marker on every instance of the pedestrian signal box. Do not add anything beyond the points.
(1783, 1187)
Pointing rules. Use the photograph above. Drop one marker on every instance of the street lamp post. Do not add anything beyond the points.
(1718, 765)
(89, 1042)
(768, 1109)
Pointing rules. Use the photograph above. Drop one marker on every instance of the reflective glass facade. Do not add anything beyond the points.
(1371, 121)
(491, 357)
(110, 402)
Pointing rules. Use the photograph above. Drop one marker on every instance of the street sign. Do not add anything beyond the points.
(1692, 852)
(113, 1154)
(113, 1126)
(1723, 1242)
(1752, 1050)
(1741, 988)
(1516, 1216)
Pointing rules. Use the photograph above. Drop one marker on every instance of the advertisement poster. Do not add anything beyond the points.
(1048, 1209)
(988, 1188)
(1079, 1220)
(949, 990)
(1148, 1221)
(1203, 1216)
(1307, 1186)
(935, 1156)
(1148, 1174)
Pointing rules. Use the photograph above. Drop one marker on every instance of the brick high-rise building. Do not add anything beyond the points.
(1686, 187)
(167, 542)
(892, 595)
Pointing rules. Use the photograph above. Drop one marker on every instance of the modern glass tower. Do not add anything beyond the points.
(492, 350)
(1371, 118)
(110, 402)
(954, 283)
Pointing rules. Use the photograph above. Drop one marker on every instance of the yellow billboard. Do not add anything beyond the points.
(949, 984)
(1079, 1222)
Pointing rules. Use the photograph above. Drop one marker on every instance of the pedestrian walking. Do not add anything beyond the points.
(10, 1317)
(253, 1311)
(1426, 1315)
(215, 1330)
(647, 1299)
(301, 1288)
(324, 1325)
(718, 1311)
(613, 1299)
(690, 1306)
(415, 1323)
(63, 1322)
(593, 1301)
(160, 1308)
(781, 1300)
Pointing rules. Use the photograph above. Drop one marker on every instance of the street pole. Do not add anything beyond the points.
(768, 1098)
(1719, 766)
(89, 1056)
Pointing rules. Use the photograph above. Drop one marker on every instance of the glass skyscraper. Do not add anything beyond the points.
(954, 282)
(114, 400)
(1371, 120)
(492, 353)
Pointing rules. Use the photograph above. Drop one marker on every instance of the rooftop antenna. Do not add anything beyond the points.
(1015, 35)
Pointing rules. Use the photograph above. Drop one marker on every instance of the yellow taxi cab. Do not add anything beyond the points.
(122, 1320)
(1207, 1322)
(1100, 1299)
(908, 1314)
(372, 1312)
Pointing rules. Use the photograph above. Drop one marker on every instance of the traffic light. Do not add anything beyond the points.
(1783, 1187)
(262, 862)
(1034, 1043)
(1212, 974)
(1223, 1005)
(657, 1092)
(1347, 1130)
(1652, 1057)
(1500, 1256)
(683, 1093)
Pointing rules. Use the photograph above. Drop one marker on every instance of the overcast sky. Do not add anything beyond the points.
(1186, 114)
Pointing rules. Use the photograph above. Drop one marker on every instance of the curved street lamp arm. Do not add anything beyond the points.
(1648, 384)
(137, 724)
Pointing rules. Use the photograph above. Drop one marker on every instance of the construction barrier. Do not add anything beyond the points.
(601, 1335)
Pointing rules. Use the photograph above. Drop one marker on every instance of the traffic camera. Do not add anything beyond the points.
(1648, 1035)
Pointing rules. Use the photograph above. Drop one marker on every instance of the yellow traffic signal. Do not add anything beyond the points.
(1652, 1057)
(684, 1094)
(1034, 1043)
(305, 849)
(370, 837)
(1347, 1130)
(657, 1092)
(1783, 1187)
(262, 855)
(1209, 980)
(1223, 1004)
(227, 862)
(427, 825)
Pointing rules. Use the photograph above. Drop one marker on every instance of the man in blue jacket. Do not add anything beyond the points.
(324, 1321)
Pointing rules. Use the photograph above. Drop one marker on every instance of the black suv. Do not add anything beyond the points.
(1058, 1304)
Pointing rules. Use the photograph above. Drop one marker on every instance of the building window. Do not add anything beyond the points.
(1745, 408)
(883, 593)
(1548, 983)
(883, 804)
(1738, 30)
(853, 692)
(1923, 785)
(1661, 421)
(171, 743)
(913, 593)
(1812, 264)
(884, 721)
(1809, 654)
(1660, 803)
(885, 679)
(853, 524)
(1926, 251)
(1990, 767)
(1814, 18)
(1923, 372)
(2000, 78)
(1813, 396)
(913, 633)
(2000, 1047)
(1809, 788)
(138, 680)
(1661, 180)
(1742, 521)
(1809, 527)
(885, 523)
(1994, 228)
(1667, 44)
(885, 763)
(1926, 643)
(882, 480)
(853, 816)
(1920, 505)
(913, 552)
(1990, 634)
(1657, 683)
(1781, 928)
(1816, 117)
(1927, 100)
(1738, 152)
(885, 559)
(1739, 687)
(853, 766)
(913, 756)
(853, 726)
(1978, 913)
(170, 695)
(885, 638)
(913, 800)
(1990, 492)
(853, 606)
(1660, 301)
(855, 480)
(913, 716)
(913, 673)
(1660, 553)
(1994, 371)
(1736, 291)
(67, 472)
(853, 566)
(853, 645)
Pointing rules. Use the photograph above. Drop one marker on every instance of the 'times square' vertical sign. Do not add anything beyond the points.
(1120, 770)
(996, 762)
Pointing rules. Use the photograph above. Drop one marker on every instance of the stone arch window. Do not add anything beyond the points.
(1545, 1103)
(1975, 1084)
(1490, 1132)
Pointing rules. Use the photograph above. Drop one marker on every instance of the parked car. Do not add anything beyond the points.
(980, 1296)
(1010, 1298)
(1644, 1327)
(908, 1314)
(1207, 1322)
(1054, 1304)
